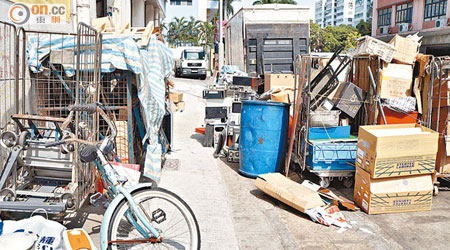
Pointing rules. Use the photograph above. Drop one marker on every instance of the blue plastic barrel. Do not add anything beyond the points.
(263, 139)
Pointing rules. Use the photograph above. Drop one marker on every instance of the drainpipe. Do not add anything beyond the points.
(82, 12)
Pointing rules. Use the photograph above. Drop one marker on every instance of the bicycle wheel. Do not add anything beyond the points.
(179, 230)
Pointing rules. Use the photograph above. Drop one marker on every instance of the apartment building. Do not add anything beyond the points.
(363, 11)
(199, 9)
(334, 12)
(429, 18)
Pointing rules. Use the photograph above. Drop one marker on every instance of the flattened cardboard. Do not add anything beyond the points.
(396, 80)
(396, 155)
(288, 191)
(392, 195)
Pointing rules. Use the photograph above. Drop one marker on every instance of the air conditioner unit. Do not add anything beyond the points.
(403, 27)
(384, 30)
(441, 22)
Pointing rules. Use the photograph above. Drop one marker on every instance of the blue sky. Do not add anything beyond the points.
(307, 3)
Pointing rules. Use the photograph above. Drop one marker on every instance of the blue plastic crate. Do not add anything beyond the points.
(331, 156)
(329, 133)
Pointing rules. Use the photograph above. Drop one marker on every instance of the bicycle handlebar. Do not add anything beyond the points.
(89, 108)
(55, 143)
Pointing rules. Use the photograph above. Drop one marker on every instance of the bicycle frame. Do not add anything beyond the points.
(116, 190)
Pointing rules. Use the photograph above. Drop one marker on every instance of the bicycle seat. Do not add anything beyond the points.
(88, 154)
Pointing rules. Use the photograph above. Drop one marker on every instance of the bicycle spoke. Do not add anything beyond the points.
(176, 231)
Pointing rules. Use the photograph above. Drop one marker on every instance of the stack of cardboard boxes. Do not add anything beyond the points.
(177, 99)
(394, 167)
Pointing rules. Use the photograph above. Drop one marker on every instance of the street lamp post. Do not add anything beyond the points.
(221, 56)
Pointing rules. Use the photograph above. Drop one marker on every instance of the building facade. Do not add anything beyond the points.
(334, 12)
(429, 18)
(363, 11)
(199, 9)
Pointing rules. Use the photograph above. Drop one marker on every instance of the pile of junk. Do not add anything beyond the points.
(55, 70)
(375, 118)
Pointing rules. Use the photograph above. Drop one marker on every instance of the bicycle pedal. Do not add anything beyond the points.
(158, 216)
(97, 199)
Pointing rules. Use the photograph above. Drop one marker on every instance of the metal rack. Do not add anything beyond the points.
(69, 73)
(303, 65)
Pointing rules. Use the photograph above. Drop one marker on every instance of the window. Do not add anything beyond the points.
(435, 9)
(191, 55)
(384, 17)
(180, 2)
(403, 13)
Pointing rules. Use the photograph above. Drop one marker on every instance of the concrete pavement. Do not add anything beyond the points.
(233, 214)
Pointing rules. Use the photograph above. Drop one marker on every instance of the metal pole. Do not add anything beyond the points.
(220, 35)
(377, 97)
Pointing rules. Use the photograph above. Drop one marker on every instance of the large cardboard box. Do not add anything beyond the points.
(396, 150)
(278, 80)
(288, 191)
(406, 49)
(392, 195)
(396, 80)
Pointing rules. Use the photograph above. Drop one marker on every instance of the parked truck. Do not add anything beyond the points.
(265, 39)
(190, 61)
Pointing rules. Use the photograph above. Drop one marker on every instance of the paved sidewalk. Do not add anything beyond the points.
(197, 179)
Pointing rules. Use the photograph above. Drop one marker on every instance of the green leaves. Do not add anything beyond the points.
(183, 32)
(330, 38)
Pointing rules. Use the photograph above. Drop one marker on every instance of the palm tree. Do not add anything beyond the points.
(206, 33)
(258, 2)
(192, 30)
(179, 30)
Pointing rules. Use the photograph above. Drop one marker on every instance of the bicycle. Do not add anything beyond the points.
(138, 217)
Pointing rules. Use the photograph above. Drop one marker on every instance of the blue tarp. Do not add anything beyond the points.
(151, 64)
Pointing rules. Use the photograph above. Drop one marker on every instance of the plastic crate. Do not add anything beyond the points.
(329, 133)
(324, 118)
(331, 156)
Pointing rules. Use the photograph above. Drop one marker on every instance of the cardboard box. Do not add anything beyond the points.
(392, 195)
(283, 95)
(444, 94)
(288, 191)
(406, 49)
(176, 97)
(349, 98)
(278, 80)
(180, 106)
(371, 46)
(396, 150)
(396, 80)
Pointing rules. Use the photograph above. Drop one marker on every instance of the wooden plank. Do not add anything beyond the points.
(130, 118)
(296, 113)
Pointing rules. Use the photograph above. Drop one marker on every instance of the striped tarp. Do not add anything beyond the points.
(152, 64)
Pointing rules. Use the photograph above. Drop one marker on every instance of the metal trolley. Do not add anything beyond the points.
(34, 177)
(310, 100)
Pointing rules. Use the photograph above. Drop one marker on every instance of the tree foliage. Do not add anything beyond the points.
(330, 38)
(258, 2)
(364, 28)
(193, 32)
